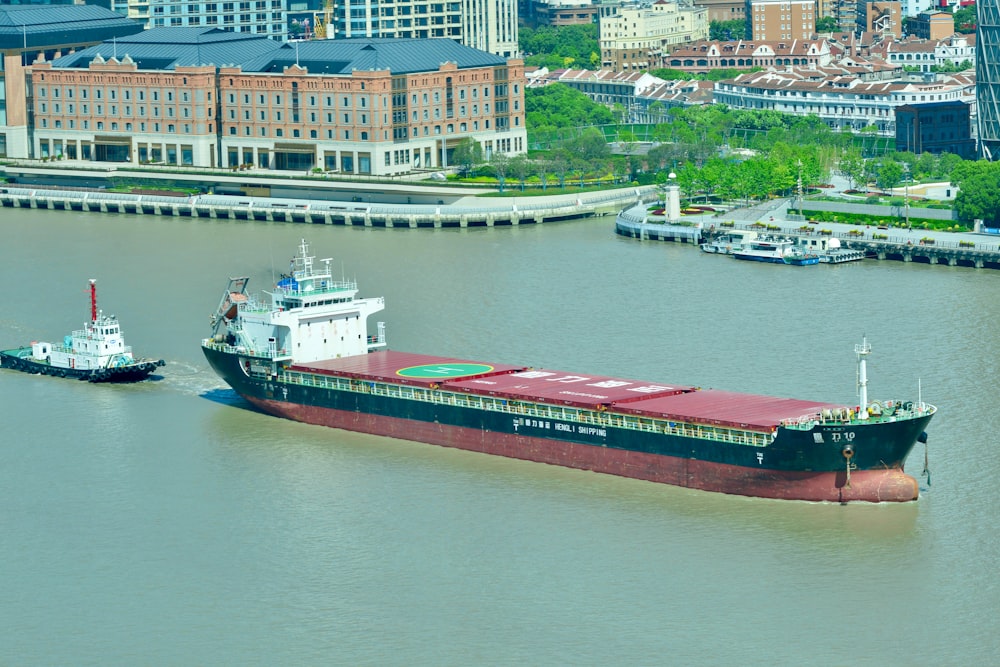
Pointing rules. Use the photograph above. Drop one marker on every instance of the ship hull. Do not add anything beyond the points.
(793, 467)
(768, 259)
(134, 372)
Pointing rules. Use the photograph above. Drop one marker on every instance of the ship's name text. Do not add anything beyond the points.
(559, 426)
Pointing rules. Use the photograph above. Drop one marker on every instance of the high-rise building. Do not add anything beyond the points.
(255, 17)
(487, 25)
(988, 77)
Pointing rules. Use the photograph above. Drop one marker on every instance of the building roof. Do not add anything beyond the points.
(740, 48)
(399, 56)
(44, 26)
(169, 48)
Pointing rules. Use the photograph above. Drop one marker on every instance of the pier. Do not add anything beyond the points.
(943, 248)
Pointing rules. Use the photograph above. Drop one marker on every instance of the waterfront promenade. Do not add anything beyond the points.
(351, 203)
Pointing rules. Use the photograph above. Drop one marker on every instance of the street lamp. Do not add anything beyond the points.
(906, 194)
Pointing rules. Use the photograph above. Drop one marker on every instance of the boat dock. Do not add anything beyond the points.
(895, 244)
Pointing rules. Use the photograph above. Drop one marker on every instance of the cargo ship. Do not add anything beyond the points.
(304, 352)
(96, 353)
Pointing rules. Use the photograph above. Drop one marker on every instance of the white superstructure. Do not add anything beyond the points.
(310, 316)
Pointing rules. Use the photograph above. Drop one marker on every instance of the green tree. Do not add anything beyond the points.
(925, 166)
(852, 166)
(979, 194)
(559, 106)
(725, 31)
(562, 46)
(627, 141)
(965, 19)
(947, 163)
(562, 165)
(521, 167)
(890, 174)
(467, 155)
(589, 145)
(500, 163)
(827, 24)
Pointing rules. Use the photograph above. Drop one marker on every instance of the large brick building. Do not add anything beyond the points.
(360, 106)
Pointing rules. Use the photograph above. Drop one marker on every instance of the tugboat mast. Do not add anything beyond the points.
(862, 350)
(93, 299)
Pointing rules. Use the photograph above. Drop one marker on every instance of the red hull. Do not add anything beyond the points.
(868, 486)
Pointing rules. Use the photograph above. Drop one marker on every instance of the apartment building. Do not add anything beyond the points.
(706, 56)
(843, 100)
(927, 54)
(882, 18)
(933, 24)
(780, 19)
(358, 106)
(724, 10)
(638, 38)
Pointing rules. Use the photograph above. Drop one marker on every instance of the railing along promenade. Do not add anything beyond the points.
(525, 210)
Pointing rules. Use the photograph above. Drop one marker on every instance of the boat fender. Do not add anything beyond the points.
(848, 452)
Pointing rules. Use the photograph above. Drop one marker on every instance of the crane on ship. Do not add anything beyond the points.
(323, 30)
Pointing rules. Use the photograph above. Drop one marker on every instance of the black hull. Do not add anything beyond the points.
(134, 372)
(804, 464)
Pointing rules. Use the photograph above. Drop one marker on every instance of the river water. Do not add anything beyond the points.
(166, 523)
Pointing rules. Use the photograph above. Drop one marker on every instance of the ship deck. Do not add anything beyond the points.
(589, 392)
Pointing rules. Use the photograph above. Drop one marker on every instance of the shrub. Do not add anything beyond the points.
(880, 237)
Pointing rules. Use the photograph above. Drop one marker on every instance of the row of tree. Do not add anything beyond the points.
(557, 47)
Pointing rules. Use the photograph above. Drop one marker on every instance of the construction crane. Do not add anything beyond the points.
(323, 29)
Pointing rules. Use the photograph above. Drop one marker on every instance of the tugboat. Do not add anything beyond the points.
(96, 353)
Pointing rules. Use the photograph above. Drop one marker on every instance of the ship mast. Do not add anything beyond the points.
(93, 299)
(863, 350)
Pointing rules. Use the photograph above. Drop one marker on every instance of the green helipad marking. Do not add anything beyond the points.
(443, 371)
